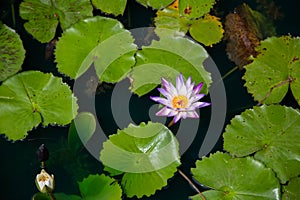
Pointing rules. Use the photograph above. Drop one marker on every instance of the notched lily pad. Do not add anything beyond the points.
(111, 7)
(147, 156)
(291, 191)
(12, 52)
(230, 178)
(272, 133)
(195, 8)
(100, 41)
(167, 58)
(274, 70)
(32, 97)
(100, 187)
(44, 16)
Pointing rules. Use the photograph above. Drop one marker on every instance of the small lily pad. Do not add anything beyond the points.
(100, 187)
(111, 7)
(291, 191)
(195, 8)
(207, 30)
(12, 52)
(44, 16)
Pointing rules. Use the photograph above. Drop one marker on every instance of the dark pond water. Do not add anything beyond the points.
(19, 164)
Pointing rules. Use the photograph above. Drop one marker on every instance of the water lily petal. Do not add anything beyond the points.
(161, 100)
(177, 117)
(198, 88)
(200, 104)
(165, 111)
(165, 93)
(192, 114)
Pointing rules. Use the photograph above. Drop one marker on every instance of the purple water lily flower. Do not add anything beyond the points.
(181, 101)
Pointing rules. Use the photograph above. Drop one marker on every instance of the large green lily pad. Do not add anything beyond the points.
(100, 41)
(274, 70)
(147, 156)
(32, 97)
(272, 133)
(235, 178)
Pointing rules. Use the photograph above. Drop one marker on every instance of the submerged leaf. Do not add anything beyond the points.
(12, 52)
(167, 58)
(235, 178)
(111, 7)
(276, 68)
(32, 97)
(44, 16)
(243, 30)
(81, 130)
(100, 187)
(272, 133)
(147, 155)
(100, 41)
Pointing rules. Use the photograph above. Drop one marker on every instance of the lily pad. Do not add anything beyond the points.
(156, 4)
(81, 130)
(291, 191)
(12, 52)
(169, 18)
(100, 41)
(100, 187)
(207, 30)
(32, 97)
(147, 156)
(274, 70)
(111, 7)
(235, 178)
(44, 16)
(167, 58)
(195, 8)
(272, 133)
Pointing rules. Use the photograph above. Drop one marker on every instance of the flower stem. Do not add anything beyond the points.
(191, 184)
(229, 72)
(171, 123)
(13, 14)
(185, 176)
(51, 195)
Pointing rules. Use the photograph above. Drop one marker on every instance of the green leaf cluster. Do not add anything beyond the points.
(105, 44)
(44, 16)
(192, 16)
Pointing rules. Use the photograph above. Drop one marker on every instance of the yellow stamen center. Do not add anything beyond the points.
(180, 101)
(43, 178)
